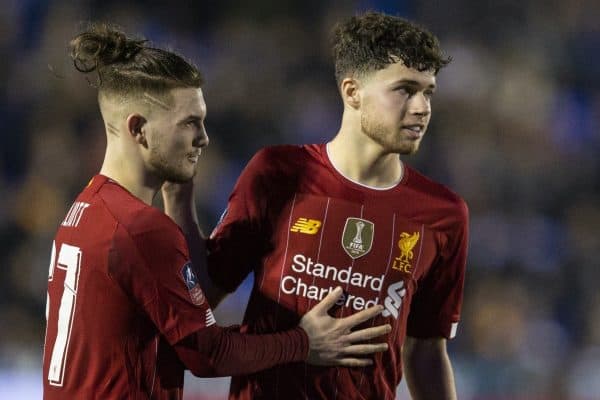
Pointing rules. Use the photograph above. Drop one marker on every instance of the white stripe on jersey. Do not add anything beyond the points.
(453, 330)
(210, 318)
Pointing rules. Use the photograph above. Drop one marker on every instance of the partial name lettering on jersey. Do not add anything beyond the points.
(192, 284)
(74, 215)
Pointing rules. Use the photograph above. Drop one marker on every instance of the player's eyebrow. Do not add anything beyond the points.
(192, 117)
(156, 101)
(412, 82)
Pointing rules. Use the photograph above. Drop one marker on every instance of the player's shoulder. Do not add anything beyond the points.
(281, 154)
(278, 163)
(139, 220)
(438, 194)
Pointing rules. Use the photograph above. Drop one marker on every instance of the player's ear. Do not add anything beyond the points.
(350, 92)
(135, 127)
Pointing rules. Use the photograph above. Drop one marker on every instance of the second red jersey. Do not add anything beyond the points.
(304, 229)
(121, 291)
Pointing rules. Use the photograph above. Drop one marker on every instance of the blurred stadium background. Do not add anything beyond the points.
(516, 131)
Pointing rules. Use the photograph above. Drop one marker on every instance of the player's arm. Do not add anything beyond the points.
(319, 339)
(435, 314)
(242, 238)
(427, 369)
(180, 206)
(153, 265)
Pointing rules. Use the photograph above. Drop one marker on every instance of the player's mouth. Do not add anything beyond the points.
(193, 157)
(414, 131)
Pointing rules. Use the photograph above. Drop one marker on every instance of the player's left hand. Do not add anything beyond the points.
(333, 343)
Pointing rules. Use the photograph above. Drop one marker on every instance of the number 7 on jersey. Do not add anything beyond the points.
(69, 259)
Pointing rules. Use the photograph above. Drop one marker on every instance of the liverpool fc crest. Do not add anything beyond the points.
(406, 244)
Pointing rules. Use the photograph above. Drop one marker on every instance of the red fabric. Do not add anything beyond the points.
(217, 351)
(270, 228)
(131, 301)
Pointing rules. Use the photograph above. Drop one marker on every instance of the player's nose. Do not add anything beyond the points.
(420, 105)
(201, 139)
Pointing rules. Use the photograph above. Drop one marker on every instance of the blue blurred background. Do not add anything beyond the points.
(515, 131)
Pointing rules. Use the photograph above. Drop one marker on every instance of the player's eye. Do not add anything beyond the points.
(406, 90)
(429, 93)
(193, 123)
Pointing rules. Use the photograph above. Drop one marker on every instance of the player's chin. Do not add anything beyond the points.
(406, 149)
(181, 176)
(413, 149)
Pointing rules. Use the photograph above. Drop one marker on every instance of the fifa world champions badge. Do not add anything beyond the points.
(357, 237)
(192, 284)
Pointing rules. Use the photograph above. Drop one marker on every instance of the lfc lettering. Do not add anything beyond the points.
(406, 243)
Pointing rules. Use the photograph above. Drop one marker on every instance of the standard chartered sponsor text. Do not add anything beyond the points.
(302, 264)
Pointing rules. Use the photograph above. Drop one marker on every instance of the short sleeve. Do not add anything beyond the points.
(150, 262)
(239, 241)
(436, 306)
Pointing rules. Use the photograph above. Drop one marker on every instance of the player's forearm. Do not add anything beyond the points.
(427, 369)
(217, 351)
(197, 247)
(180, 206)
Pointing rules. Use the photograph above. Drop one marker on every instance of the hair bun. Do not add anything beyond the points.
(103, 45)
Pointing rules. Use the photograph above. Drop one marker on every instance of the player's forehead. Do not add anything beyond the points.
(188, 101)
(398, 72)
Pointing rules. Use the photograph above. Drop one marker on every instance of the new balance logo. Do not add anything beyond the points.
(307, 226)
(393, 301)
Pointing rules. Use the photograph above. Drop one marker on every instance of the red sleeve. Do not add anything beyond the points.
(150, 262)
(435, 308)
(217, 351)
(239, 241)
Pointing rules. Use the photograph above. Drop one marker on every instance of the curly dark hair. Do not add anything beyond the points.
(128, 65)
(371, 41)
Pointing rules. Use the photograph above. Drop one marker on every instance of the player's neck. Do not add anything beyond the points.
(363, 161)
(131, 176)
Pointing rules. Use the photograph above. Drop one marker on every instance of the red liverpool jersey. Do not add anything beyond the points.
(304, 229)
(120, 290)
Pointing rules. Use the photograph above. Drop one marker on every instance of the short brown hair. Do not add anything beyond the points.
(128, 65)
(371, 41)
